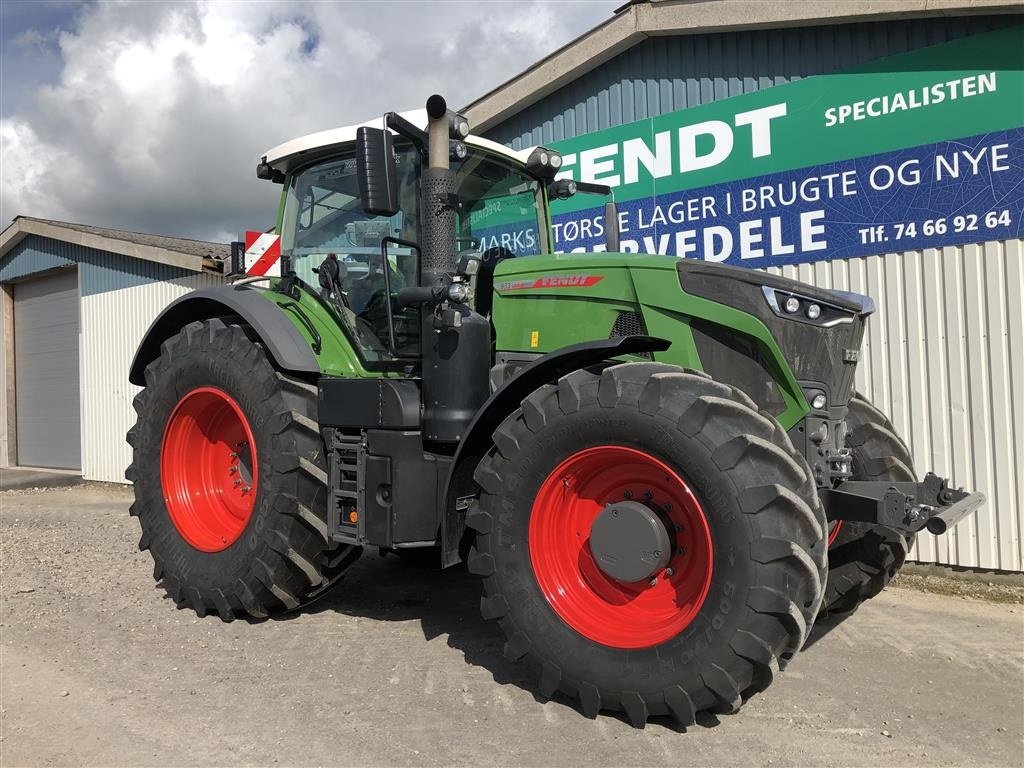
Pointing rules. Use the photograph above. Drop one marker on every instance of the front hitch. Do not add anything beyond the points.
(904, 506)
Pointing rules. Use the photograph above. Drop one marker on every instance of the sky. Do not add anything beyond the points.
(151, 116)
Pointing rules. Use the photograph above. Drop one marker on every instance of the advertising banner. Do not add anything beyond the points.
(920, 150)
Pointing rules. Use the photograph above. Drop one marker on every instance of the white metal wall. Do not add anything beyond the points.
(113, 323)
(6, 342)
(944, 357)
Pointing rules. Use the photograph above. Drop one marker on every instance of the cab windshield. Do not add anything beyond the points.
(500, 213)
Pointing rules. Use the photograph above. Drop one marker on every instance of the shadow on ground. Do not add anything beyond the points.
(447, 603)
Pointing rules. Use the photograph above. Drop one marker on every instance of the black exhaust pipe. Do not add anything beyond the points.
(456, 343)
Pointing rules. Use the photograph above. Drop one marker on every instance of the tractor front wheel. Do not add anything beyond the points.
(863, 558)
(230, 477)
(648, 540)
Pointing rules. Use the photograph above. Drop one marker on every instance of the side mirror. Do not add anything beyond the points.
(377, 172)
(611, 227)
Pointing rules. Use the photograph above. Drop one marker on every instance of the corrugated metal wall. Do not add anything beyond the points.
(665, 74)
(113, 322)
(120, 298)
(944, 357)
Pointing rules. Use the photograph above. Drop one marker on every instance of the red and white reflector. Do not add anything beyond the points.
(262, 254)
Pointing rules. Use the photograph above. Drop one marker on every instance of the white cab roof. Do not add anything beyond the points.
(285, 156)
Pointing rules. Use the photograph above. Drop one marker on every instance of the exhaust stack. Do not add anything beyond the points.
(457, 341)
(437, 209)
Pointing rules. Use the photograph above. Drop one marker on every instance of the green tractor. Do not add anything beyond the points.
(658, 467)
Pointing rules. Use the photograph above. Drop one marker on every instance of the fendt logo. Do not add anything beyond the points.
(551, 281)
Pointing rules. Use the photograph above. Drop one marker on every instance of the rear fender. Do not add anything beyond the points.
(285, 345)
(477, 440)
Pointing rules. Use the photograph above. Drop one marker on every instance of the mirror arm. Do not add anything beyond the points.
(594, 189)
(403, 127)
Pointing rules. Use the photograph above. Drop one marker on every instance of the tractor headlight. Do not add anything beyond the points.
(562, 189)
(458, 126)
(457, 150)
(544, 163)
(819, 401)
(459, 293)
(813, 310)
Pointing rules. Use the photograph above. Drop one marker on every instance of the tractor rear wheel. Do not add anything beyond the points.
(649, 540)
(863, 558)
(230, 477)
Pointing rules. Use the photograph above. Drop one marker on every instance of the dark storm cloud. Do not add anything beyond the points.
(155, 114)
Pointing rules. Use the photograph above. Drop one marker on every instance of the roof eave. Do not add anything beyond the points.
(638, 21)
(22, 227)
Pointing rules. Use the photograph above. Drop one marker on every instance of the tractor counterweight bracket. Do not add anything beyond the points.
(904, 506)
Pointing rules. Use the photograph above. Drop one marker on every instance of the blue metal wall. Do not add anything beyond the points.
(100, 271)
(665, 74)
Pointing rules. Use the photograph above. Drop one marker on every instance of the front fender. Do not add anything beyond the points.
(505, 399)
(286, 346)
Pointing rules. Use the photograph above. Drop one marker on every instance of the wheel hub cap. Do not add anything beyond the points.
(629, 542)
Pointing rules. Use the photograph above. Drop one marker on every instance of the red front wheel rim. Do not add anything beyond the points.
(603, 609)
(833, 531)
(208, 469)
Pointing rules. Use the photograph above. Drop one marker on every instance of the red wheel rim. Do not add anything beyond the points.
(833, 531)
(597, 606)
(208, 469)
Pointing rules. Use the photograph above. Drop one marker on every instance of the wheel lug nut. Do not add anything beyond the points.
(648, 495)
(669, 572)
(627, 494)
(681, 551)
(653, 581)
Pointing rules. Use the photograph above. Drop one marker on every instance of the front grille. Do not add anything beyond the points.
(814, 353)
(733, 359)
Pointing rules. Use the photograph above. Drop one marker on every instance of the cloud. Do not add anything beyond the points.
(161, 110)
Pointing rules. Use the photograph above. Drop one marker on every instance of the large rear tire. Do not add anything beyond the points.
(863, 558)
(745, 578)
(230, 478)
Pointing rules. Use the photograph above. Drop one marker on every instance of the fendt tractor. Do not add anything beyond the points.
(658, 467)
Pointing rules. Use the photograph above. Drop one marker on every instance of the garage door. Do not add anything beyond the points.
(46, 371)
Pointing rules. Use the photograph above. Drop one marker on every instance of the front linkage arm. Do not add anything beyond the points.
(905, 506)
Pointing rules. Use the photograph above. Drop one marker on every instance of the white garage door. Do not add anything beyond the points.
(46, 371)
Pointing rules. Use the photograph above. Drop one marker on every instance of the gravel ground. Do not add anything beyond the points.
(395, 667)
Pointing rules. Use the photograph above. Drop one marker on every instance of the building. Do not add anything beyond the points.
(76, 301)
(875, 146)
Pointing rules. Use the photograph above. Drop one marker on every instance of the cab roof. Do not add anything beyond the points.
(285, 157)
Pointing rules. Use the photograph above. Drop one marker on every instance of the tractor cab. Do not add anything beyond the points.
(359, 261)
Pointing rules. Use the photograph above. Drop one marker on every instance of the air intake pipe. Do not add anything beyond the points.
(456, 340)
